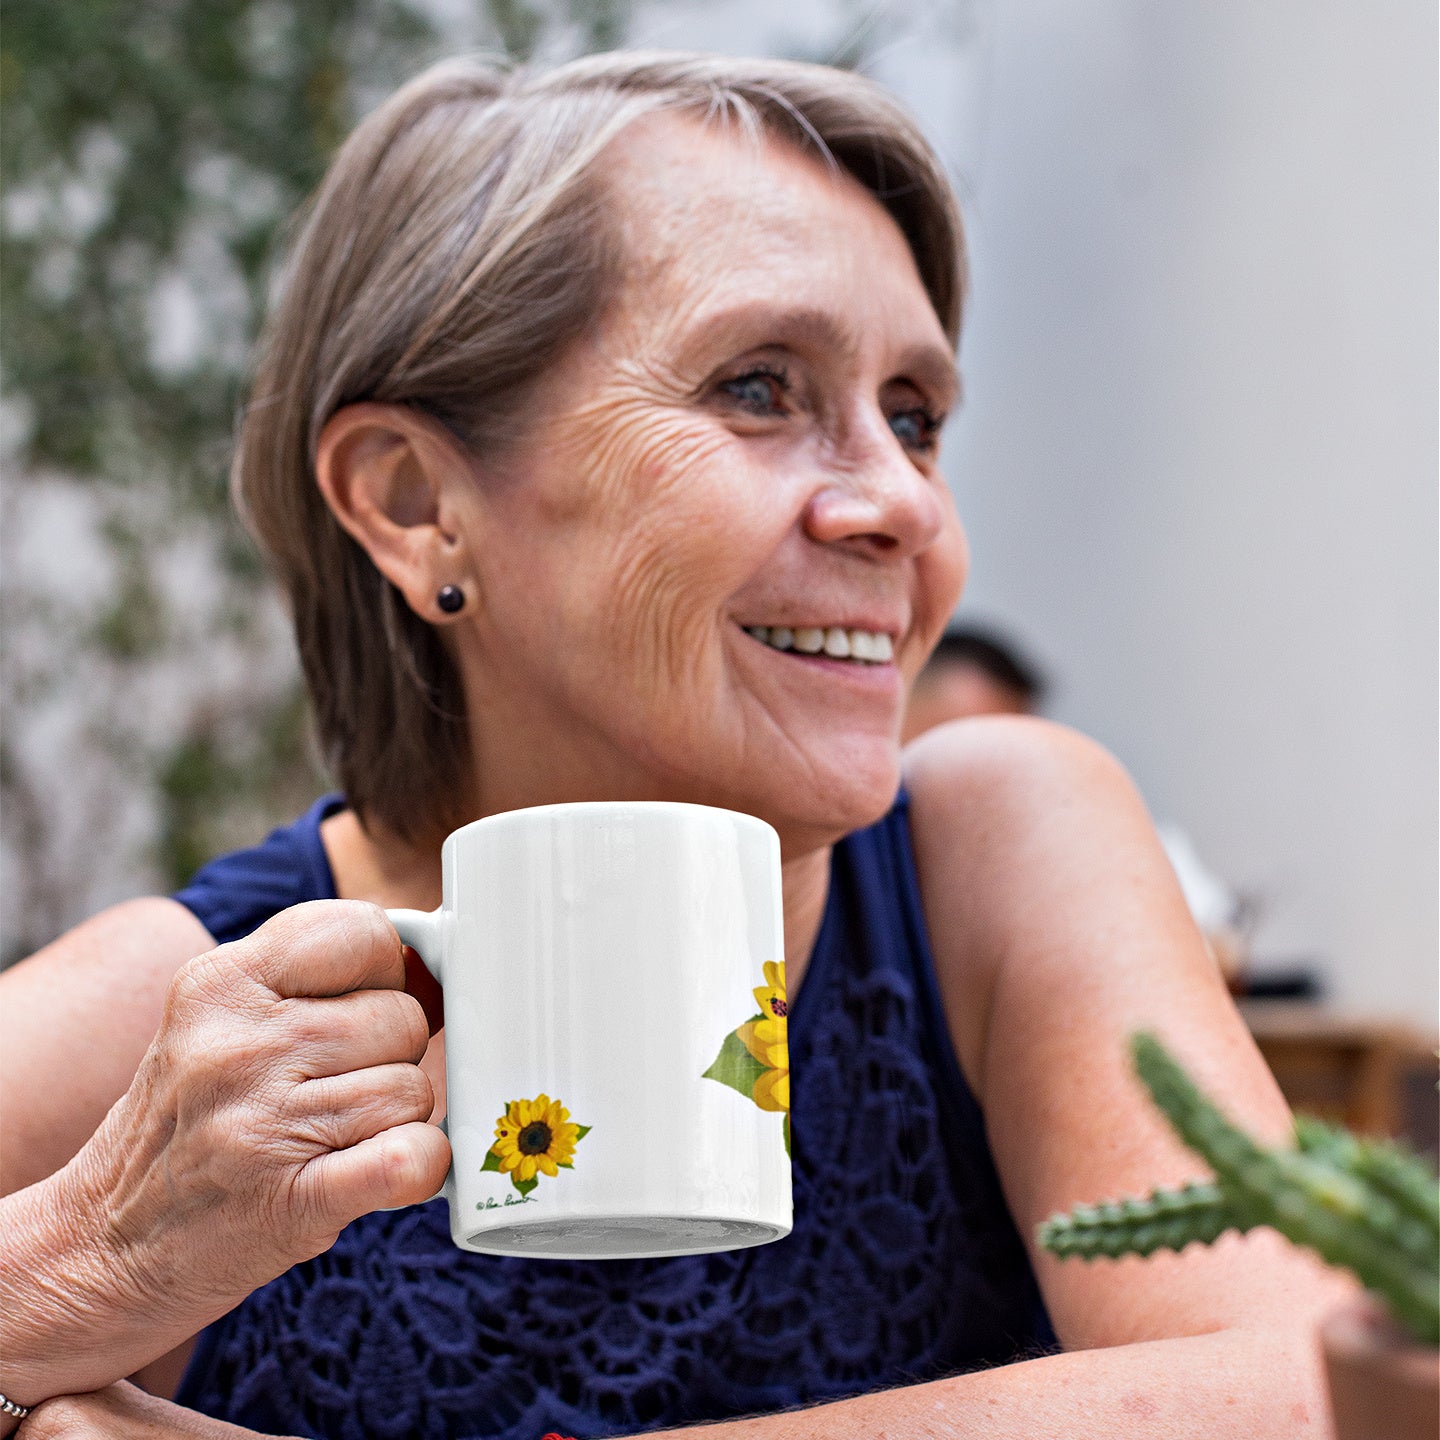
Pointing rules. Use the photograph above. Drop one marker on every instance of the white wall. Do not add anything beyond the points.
(1198, 463)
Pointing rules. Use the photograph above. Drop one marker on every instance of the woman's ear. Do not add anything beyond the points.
(392, 477)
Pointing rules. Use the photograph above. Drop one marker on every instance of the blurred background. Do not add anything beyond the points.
(1197, 461)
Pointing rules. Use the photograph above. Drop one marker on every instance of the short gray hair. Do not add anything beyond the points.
(459, 243)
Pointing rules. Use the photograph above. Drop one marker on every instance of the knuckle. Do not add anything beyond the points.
(360, 926)
(198, 980)
(206, 1006)
(353, 929)
(414, 1096)
(306, 1024)
(410, 1026)
(64, 1417)
(400, 1162)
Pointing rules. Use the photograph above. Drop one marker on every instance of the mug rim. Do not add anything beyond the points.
(594, 806)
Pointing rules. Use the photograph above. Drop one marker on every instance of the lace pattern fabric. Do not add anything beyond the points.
(903, 1265)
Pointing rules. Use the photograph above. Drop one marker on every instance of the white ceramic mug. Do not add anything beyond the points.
(615, 1056)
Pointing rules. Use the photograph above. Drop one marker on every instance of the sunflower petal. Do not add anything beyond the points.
(747, 1037)
(772, 1090)
(771, 1032)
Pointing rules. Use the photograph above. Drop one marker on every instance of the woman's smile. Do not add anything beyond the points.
(834, 642)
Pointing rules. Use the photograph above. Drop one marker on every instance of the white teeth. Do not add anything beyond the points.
(868, 646)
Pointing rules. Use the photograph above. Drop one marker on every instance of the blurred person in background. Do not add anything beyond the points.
(594, 441)
(977, 671)
(972, 671)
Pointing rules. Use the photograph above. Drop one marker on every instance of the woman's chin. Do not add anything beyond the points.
(837, 798)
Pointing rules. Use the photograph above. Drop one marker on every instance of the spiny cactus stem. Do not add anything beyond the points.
(1264, 1175)
(1389, 1168)
(1403, 1179)
(1163, 1220)
(1345, 1221)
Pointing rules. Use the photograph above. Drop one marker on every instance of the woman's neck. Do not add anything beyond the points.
(371, 862)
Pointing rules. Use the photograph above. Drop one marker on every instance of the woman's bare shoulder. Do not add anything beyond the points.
(75, 1018)
(1001, 811)
(995, 766)
(1059, 929)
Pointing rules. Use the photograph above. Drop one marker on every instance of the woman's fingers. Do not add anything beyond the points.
(339, 1111)
(404, 1165)
(324, 947)
(352, 1032)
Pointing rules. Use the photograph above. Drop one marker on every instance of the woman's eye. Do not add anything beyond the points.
(761, 392)
(916, 429)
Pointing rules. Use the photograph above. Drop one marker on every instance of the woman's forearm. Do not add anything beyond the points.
(71, 1317)
(1248, 1385)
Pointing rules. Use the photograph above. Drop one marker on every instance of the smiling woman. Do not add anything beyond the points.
(594, 444)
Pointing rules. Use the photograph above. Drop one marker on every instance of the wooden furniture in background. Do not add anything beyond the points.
(1376, 1076)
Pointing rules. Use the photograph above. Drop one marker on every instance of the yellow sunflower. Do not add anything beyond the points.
(765, 1038)
(534, 1135)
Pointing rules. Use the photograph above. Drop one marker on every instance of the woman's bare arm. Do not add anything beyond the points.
(1059, 929)
(75, 1018)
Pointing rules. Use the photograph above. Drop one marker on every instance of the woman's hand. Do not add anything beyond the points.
(121, 1412)
(279, 1101)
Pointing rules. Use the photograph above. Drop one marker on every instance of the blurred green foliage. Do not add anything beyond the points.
(151, 154)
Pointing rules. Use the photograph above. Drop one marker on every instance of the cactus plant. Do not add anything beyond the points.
(1370, 1206)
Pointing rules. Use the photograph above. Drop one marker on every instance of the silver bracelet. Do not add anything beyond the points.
(9, 1407)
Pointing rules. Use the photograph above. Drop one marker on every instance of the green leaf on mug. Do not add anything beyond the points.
(787, 1132)
(736, 1067)
(525, 1186)
(581, 1131)
(492, 1161)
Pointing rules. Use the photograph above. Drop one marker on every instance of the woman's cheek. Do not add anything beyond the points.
(942, 569)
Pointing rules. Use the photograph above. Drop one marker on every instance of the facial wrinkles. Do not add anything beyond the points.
(636, 464)
(664, 585)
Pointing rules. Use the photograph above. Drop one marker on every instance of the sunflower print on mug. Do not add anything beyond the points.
(533, 1135)
(755, 1059)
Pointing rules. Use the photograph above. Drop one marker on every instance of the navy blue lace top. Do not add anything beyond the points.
(903, 1265)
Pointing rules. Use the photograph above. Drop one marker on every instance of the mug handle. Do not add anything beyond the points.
(420, 929)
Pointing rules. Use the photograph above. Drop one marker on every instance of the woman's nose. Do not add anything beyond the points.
(875, 498)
